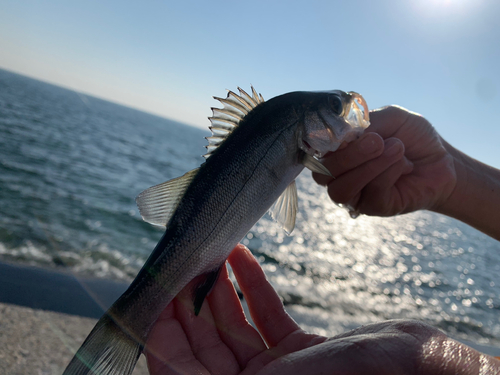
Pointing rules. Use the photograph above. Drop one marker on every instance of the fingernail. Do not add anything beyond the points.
(392, 147)
(368, 144)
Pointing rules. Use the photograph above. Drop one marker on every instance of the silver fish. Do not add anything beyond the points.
(256, 151)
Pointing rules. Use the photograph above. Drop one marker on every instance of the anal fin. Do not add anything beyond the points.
(203, 287)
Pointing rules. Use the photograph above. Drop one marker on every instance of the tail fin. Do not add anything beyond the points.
(106, 351)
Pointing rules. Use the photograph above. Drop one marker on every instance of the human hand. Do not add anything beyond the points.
(400, 164)
(386, 348)
(221, 341)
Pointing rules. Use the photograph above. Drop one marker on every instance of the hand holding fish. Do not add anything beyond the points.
(401, 164)
(221, 341)
(408, 169)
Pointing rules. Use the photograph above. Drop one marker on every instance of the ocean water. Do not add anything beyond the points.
(71, 166)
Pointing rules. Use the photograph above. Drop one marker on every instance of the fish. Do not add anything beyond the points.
(256, 150)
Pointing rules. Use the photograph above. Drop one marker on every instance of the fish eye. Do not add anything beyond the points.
(335, 104)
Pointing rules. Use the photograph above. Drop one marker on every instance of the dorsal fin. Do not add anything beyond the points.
(225, 120)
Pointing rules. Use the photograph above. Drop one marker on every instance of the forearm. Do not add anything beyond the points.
(475, 199)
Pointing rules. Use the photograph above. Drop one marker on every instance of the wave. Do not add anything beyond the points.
(99, 261)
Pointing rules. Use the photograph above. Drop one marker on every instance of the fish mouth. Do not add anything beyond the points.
(308, 149)
(357, 114)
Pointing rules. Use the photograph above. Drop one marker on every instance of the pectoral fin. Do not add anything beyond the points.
(284, 210)
(158, 203)
(313, 164)
(205, 285)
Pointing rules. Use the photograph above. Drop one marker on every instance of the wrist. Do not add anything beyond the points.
(475, 199)
(448, 205)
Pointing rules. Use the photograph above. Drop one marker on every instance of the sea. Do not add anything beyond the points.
(71, 166)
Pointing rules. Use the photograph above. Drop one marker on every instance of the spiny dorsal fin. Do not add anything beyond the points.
(225, 120)
(284, 210)
(158, 203)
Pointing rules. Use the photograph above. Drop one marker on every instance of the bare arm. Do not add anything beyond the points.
(476, 197)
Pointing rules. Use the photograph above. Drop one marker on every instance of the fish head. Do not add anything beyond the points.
(329, 119)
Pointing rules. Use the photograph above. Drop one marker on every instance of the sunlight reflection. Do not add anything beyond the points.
(371, 268)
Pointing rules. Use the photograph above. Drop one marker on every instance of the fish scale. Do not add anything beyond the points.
(260, 149)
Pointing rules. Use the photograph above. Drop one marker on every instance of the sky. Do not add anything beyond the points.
(440, 58)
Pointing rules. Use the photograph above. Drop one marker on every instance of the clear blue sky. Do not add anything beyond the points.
(440, 58)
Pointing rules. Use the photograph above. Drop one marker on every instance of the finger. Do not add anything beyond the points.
(384, 182)
(165, 356)
(349, 185)
(266, 308)
(202, 334)
(388, 120)
(234, 329)
(381, 196)
(367, 147)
